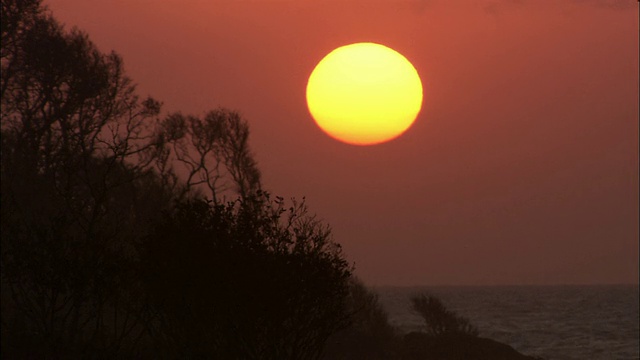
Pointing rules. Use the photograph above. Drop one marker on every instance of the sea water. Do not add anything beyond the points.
(553, 322)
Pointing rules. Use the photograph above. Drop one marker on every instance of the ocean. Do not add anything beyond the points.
(553, 322)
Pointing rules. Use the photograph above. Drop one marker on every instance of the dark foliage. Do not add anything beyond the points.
(76, 185)
(370, 336)
(440, 321)
(88, 168)
(246, 280)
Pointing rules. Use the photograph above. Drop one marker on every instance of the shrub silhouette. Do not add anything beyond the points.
(369, 336)
(251, 279)
(440, 321)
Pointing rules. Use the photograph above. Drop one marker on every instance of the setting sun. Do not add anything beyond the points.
(364, 94)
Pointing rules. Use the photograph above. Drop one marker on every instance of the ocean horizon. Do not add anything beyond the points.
(555, 322)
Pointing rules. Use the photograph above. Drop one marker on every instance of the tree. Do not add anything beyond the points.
(251, 279)
(89, 267)
(213, 151)
(77, 152)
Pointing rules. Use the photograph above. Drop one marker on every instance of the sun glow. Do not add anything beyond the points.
(364, 94)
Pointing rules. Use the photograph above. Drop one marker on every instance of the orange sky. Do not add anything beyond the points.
(522, 167)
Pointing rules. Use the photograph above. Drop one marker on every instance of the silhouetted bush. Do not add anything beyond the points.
(369, 336)
(440, 321)
(251, 279)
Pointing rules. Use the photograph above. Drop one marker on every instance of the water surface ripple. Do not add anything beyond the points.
(554, 322)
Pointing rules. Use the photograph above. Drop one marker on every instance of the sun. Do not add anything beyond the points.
(364, 94)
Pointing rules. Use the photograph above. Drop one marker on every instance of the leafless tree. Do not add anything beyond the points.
(212, 153)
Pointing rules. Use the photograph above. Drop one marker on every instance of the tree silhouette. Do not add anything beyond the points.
(90, 266)
(213, 151)
(77, 184)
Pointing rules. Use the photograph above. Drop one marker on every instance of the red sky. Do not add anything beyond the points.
(522, 167)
